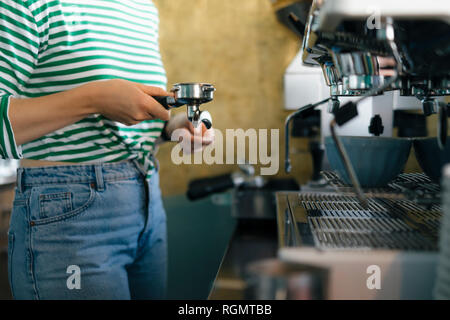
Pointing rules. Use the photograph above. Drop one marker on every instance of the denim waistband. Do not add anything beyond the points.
(89, 173)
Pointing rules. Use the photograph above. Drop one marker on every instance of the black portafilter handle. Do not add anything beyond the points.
(202, 188)
(167, 102)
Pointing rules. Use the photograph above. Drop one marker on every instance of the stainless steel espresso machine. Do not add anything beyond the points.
(374, 228)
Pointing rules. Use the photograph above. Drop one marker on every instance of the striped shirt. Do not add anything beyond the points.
(49, 46)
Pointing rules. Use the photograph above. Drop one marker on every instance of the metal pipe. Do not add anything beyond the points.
(287, 161)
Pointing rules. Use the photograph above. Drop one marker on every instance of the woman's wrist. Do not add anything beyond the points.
(90, 99)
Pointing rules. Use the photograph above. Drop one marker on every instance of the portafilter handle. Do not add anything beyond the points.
(168, 102)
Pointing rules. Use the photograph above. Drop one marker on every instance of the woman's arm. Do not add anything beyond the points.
(118, 100)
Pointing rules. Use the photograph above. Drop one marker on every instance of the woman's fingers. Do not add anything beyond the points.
(154, 91)
(209, 136)
(202, 135)
(192, 143)
(201, 140)
(156, 110)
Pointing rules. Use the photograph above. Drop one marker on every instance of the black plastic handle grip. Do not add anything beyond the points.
(317, 154)
(202, 188)
(167, 102)
(346, 113)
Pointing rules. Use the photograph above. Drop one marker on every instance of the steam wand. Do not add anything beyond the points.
(287, 161)
(348, 166)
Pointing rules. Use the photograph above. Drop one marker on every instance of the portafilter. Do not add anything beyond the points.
(193, 95)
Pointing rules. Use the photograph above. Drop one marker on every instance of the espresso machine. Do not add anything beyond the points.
(378, 238)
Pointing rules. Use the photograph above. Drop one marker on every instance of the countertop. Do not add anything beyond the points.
(252, 240)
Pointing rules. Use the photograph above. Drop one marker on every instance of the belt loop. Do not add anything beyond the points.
(139, 168)
(100, 182)
(20, 180)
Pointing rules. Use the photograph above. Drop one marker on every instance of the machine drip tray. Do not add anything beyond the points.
(397, 235)
(404, 216)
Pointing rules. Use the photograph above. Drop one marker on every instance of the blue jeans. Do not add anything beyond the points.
(87, 232)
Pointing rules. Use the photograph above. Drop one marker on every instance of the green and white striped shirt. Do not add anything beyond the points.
(49, 46)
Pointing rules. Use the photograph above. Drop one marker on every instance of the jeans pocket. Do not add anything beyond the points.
(52, 204)
(10, 257)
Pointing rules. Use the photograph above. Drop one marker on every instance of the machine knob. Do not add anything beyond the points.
(429, 106)
(376, 126)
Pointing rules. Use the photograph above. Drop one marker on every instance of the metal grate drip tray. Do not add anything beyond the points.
(338, 221)
(414, 186)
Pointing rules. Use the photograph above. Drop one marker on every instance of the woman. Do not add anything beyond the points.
(76, 84)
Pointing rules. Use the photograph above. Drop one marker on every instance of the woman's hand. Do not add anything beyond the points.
(127, 102)
(192, 139)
